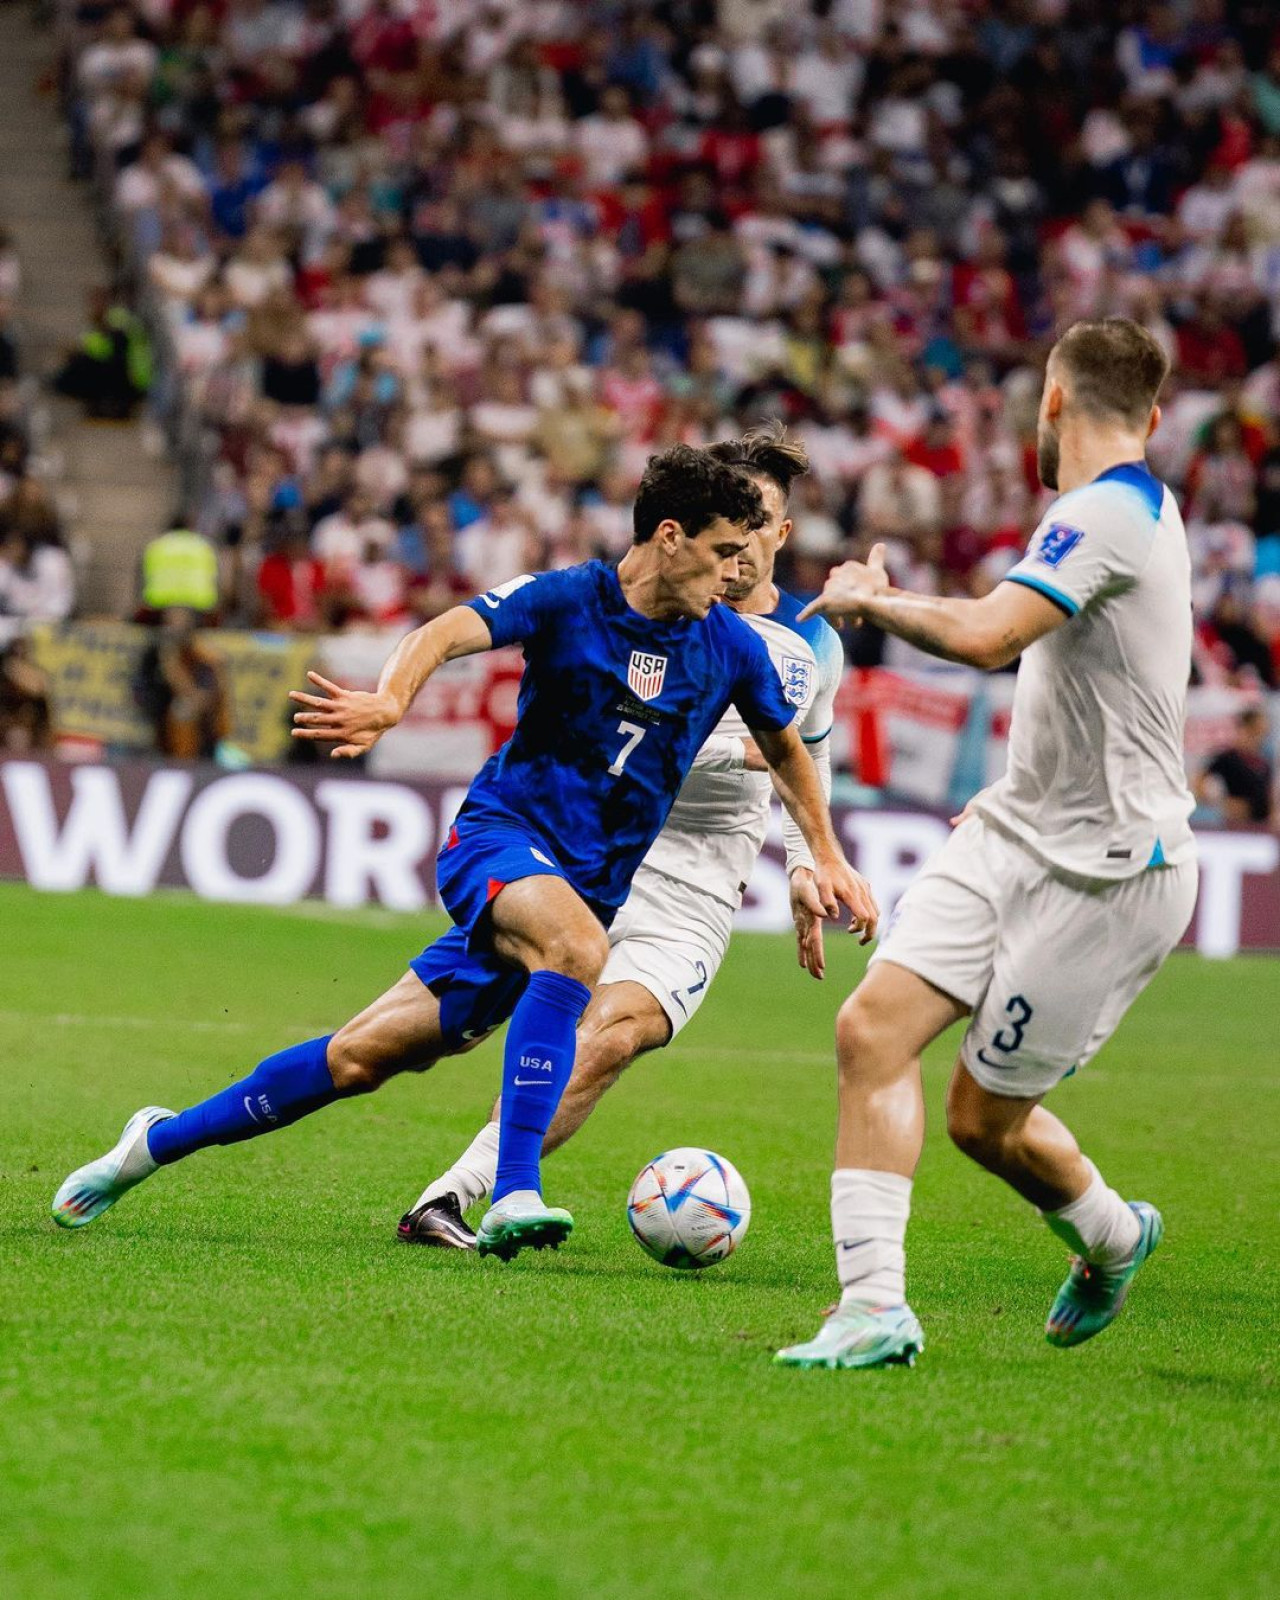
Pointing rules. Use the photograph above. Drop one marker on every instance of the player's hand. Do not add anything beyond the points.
(806, 913)
(352, 719)
(837, 884)
(752, 757)
(849, 587)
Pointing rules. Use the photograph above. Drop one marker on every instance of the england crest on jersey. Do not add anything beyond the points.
(797, 680)
(646, 675)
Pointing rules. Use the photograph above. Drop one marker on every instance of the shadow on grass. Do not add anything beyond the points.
(1230, 1386)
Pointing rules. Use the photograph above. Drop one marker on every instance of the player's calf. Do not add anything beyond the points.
(542, 925)
(622, 1022)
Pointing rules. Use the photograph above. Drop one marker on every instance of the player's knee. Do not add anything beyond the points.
(865, 1036)
(577, 953)
(350, 1065)
(604, 1053)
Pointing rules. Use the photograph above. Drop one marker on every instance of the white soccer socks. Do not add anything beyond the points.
(869, 1212)
(472, 1174)
(1099, 1226)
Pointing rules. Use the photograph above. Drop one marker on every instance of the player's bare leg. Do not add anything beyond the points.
(399, 1032)
(881, 1031)
(1037, 1155)
(542, 925)
(622, 1022)
(1019, 1140)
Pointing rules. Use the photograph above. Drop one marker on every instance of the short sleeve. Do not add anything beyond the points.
(517, 610)
(821, 712)
(757, 689)
(1092, 543)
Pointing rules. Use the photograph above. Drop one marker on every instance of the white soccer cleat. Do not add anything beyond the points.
(860, 1336)
(95, 1188)
(520, 1221)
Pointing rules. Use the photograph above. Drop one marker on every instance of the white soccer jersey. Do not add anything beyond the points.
(716, 828)
(1095, 783)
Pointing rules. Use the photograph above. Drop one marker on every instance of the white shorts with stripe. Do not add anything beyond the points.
(670, 937)
(1047, 966)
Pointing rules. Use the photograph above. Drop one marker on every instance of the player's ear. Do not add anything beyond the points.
(1054, 398)
(784, 531)
(1153, 421)
(667, 534)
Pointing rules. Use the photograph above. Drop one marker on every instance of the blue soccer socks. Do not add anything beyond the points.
(280, 1090)
(540, 1048)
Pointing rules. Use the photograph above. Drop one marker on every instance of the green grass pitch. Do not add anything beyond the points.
(239, 1384)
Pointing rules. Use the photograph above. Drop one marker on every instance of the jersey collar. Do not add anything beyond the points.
(1137, 475)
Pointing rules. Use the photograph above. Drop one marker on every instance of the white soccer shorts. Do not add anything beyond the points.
(670, 938)
(1047, 967)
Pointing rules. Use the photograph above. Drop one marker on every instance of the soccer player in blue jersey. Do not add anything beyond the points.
(667, 943)
(627, 672)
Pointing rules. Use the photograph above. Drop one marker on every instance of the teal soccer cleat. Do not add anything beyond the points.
(1092, 1297)
(95, 1187)
(521, 1222)
(860, 1336)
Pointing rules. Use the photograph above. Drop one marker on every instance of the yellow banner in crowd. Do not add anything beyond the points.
(92, 666)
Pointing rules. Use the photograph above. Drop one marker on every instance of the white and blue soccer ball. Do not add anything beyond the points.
(689, 1208)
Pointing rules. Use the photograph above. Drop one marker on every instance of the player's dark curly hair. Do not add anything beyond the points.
(765, 452)
(692, 487)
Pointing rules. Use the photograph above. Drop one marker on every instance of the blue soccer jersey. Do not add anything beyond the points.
(613, 708)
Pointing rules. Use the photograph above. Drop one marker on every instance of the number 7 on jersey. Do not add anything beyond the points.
(634, 736)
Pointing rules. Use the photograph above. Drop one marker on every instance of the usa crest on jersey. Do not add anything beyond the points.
(646, 675)
(797, 680)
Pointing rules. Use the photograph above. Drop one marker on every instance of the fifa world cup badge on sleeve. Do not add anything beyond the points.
(646, 675)
(1058, 543)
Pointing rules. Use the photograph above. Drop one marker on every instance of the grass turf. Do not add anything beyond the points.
(240, 1383)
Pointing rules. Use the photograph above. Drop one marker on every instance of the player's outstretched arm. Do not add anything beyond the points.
(797, 782)
(986, 633)
(355, 719)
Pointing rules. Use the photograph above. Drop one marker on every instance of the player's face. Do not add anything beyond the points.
(699, 571)
(755, 565)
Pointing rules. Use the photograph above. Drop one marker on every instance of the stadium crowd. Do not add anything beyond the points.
(438, 275)
(37, 576)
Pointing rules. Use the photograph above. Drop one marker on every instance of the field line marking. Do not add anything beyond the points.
(72, 1019)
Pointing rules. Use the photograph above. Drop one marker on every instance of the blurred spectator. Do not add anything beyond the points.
(1239, 781)
(26, 722)
(180, 570)
(346, 535)
(109, 370)
(182, 690)
(1234, 643)
(8, 344)
(291, 585)
(899, 500)
(37, 579)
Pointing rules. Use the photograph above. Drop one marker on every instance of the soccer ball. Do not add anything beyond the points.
(689, 1208)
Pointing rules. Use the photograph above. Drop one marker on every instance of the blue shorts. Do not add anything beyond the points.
(477, 861)
(477, 991)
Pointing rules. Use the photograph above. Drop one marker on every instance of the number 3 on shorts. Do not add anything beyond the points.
(634, 736)
(1008, 1040)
